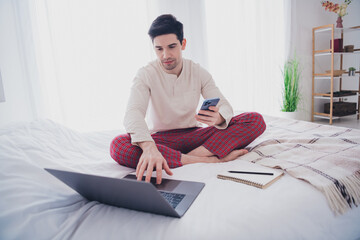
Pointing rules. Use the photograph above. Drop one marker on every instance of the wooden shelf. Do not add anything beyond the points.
(330, 77)
(327, 97)
(327, 116)
(322, 94)
(330, 27)
(323, 51)
(322, 74)
(327, 52)
(344, 76)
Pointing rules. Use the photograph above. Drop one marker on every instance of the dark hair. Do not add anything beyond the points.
(166, 24)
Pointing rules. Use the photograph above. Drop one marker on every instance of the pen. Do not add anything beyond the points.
(260, 173)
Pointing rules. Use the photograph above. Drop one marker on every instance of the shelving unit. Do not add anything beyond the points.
(331, 76)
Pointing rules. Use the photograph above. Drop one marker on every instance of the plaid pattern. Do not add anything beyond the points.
(241, 131)
(325, 156)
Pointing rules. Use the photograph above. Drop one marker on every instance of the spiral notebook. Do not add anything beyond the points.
(256, 176)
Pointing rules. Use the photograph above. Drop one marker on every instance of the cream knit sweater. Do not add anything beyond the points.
(169, 102)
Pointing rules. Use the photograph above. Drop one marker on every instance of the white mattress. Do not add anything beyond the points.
(35, 205)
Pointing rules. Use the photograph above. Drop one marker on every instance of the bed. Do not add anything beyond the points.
(35, 205)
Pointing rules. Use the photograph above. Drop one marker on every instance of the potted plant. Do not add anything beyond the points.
(339, 9)
(291, 92)
(352, 71)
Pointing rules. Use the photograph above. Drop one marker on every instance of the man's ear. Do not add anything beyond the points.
(183, 45)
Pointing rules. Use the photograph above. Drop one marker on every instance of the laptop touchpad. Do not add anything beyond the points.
(166, 184)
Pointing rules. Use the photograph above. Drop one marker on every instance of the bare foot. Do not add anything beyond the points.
(187, 159)
(233, 155)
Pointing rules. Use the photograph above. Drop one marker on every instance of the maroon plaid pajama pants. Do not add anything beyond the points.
(241, 131)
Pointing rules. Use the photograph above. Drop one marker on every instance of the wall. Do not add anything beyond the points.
(307, 14)
(17, 106)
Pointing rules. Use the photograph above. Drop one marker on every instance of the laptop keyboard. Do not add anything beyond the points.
(173, 198)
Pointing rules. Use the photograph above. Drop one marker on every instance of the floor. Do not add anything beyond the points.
(350, 122)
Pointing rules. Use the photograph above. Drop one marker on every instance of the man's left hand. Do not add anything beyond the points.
(210, 118)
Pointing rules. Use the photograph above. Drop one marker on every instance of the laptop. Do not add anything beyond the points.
(170, 198)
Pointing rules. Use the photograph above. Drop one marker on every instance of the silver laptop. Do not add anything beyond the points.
(171, 198)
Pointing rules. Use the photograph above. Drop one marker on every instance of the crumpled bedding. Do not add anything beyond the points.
(35, 205)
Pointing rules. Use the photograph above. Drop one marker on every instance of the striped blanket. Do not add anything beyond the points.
(325, 156)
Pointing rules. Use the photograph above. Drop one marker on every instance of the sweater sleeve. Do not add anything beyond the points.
(134, 120)
(210, 90)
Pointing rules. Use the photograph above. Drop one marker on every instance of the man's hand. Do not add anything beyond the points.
(151, 158)
(211, 118)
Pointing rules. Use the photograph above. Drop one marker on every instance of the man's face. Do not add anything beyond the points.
(169, 51)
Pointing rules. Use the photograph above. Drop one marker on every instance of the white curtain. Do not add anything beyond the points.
(246, 51)
(87, 53)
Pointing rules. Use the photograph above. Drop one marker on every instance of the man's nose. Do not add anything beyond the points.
(166, 54)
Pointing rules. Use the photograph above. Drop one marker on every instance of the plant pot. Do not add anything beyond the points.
(289, 115)
(352, 73)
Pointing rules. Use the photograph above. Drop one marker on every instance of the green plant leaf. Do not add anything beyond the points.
(291, 93)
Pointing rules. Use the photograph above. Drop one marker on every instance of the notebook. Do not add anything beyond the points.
(256, 175)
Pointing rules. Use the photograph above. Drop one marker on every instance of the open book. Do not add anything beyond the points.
(256, 175)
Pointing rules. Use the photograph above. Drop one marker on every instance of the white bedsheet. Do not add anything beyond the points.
(35, 205)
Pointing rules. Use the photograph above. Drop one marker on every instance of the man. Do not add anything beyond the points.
(169, 89)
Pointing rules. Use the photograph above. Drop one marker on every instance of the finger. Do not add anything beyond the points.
(207, 120)
(141, 171)
(210, 114)
(158, 173)
(206, 117)
(138, 166)
(200, 118)
(149, 171)
(167, 168)
(213, 108)
(204, 112)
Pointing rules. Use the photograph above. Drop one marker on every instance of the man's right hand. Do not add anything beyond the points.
(150, 158)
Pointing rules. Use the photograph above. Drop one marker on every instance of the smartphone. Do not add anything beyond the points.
(207, 103)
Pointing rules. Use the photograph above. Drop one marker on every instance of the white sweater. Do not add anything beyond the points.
(171, 102)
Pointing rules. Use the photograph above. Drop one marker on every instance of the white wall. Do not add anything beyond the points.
(307, 14)
(17, 106)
